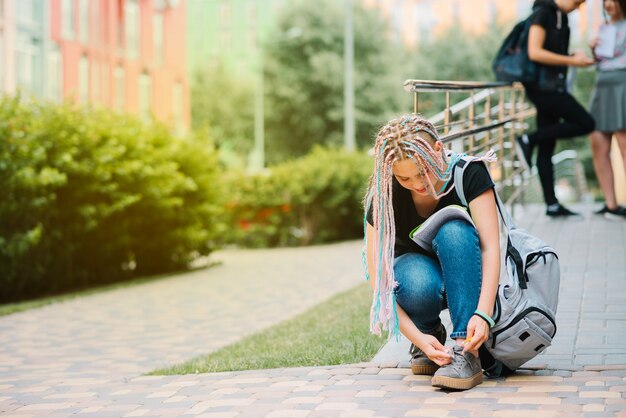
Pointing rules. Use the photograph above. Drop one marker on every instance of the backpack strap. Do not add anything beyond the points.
(507, 220)
(459, 171)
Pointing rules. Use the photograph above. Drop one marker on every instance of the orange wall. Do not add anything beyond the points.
(103, 51)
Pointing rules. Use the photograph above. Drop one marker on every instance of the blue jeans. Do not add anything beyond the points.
(452, 280)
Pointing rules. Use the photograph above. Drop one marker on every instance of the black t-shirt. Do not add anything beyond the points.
(547, 15)
(476, 180)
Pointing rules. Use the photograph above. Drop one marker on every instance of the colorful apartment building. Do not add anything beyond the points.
(128, 55)
(230, 31)
(416, 21)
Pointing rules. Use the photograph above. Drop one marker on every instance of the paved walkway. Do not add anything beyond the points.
(86, 356)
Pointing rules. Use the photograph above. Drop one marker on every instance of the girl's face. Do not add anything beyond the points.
(414, 178)
(410, 176)
(612, 9)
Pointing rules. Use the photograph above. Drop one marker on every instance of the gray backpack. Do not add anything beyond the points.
(528, 293)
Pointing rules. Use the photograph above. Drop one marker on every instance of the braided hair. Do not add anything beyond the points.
(407, 137)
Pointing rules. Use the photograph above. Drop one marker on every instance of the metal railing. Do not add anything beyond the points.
(490, 115)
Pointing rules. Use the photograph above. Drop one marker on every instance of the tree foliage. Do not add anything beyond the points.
(92, 197)
(308, 200)
(305, 77)
(222, 106)
(456, 55)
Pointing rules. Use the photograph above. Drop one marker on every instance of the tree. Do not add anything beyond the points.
(456, 55)
(223, 106)
(304, 78)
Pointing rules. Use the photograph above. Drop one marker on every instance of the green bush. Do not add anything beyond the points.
(311, 200)
(92, 197)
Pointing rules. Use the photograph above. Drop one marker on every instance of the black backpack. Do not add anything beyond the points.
(511, 62)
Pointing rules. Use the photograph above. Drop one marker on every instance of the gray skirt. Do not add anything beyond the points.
(608, 101)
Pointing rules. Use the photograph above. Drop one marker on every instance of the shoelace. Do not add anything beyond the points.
(457, 363)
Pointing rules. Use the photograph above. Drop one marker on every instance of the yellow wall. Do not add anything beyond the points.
(473, 15)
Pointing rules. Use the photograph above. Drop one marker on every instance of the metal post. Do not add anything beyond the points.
(348, 88)
(471, 113)
(258, 156)
(448, 115)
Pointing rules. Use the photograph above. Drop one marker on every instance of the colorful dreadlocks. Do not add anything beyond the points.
(408, 137)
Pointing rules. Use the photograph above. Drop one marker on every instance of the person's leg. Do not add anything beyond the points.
(601, 149)
(619, 212)
(420, 293)
(568, 118)
(620, 136)
(420, 289)
(546, 121)
(545, 168)
(559, 115)
(458, 250)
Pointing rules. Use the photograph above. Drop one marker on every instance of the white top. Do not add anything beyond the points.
(612, 35)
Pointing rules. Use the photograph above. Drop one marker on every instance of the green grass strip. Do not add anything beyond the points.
(334, 332)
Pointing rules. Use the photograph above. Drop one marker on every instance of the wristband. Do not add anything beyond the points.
(485, 317)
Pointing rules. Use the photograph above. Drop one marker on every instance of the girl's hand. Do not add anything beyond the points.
(477, 333)
(580, 59)
(594, 43)
(435, 351)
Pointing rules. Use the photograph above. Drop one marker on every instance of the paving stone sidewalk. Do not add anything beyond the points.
(86, 357)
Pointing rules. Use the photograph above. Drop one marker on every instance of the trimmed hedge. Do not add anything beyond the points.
(93, 197)
(311, 200)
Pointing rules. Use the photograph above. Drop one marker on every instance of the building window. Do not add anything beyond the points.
(67, 19)
(425, 20)
(523, 8)
(252, 26)
(106, 82)
(83, 80)
(225, 29)
(492, 13)
(177, 109)
(120, 88)
(95, 82)
(27, 51)
(145, 96)
(455, 10)
(158, 36)
(132, 29)
(24, 12)
(2, 86)
(55, 74)
(99, 15)
(83, 21)
(396, 21)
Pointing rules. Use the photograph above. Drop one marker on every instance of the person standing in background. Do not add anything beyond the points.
(608, 102)
(559, 115)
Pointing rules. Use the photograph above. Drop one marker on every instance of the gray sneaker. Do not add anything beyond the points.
(420, 363)
(463, 373)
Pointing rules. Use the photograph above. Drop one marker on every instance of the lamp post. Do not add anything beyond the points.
(257, 157)
(348, 79)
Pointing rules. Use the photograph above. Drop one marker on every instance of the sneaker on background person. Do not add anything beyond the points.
(557, 210)
(617, 214)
